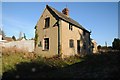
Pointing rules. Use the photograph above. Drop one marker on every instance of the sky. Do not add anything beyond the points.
(119, 20)
(99, 17)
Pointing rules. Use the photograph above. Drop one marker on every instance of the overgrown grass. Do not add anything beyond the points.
(11, 57)
(10, 61)
(0, 66)
(19, 61)
(32, 67)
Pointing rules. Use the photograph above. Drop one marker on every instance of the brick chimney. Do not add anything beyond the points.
(65, 11)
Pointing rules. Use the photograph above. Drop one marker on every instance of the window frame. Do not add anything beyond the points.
(71, 43)
(46, 44)
(70, 27)
(47, 22)
(40, 44)
(84, 46)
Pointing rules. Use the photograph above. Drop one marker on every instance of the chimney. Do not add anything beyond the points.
(65, 11)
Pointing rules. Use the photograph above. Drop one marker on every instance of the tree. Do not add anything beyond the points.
(20, 35)
(13, 37)
(2, 32)
(36, 39)
(24, 36)
(116, 44)
(32, 39)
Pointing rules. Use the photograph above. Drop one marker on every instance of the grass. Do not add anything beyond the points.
(0, 62)
(100, 66)
(10, 61)
(0, 66)
(11, 57)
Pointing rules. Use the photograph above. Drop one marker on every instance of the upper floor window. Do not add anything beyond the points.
(84, 33)
(47, 22)
(70, 27)
(71, 43)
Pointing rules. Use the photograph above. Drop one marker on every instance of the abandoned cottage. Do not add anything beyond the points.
(57, 34)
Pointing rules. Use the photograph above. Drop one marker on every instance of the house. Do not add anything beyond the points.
(94, 46)
(21, 39)
(8, 39)
(58, 34)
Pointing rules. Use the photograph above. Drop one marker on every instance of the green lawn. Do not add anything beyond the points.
(93, 66)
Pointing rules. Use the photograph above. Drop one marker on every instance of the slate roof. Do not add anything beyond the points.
(60, 15)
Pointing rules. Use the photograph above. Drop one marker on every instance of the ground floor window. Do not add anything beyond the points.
(40, 45)
(71, 43)
(78, 46)
(46, 44)
(84, 46)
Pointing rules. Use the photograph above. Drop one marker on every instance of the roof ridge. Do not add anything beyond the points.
(64, 17)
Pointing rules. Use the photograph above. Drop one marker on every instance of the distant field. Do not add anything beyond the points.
(101, 66)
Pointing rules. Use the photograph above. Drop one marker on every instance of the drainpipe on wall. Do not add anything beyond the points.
(59, 37)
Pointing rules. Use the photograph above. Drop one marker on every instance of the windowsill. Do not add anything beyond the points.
(46, 50)
(45, 27)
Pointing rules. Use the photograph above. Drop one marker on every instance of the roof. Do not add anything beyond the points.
(60, 15)
(8, 39)
(22, 38)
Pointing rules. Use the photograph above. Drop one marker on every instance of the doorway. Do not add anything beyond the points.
(78, 46)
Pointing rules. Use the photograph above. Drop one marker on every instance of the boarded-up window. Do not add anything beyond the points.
(47, 22)
(71, 43)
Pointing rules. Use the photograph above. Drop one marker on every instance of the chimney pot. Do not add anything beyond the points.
(65, 11)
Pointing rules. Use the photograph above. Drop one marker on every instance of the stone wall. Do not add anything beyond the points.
(27, 45)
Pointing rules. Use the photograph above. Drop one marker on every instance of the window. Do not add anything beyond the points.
(40, 45)
(84, 33)
(47, 22)
(46, 43)
(71, 43)
(70, 27)
(92, 45)
(84, 46)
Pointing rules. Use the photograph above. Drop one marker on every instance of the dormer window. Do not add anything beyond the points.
(47, 22)
(70, 27)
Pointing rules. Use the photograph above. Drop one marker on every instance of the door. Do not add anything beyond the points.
(78, 46)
